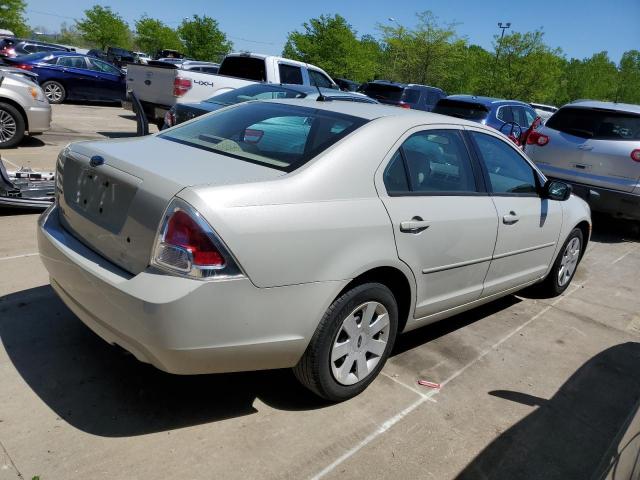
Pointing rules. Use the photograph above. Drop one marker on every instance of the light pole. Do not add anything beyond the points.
(395, 56)
(503, 27)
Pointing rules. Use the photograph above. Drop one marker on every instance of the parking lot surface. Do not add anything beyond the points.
(530, 387)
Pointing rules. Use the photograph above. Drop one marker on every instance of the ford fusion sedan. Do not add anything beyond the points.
(235, 242)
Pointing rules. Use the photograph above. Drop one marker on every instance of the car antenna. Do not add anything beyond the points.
(321, 97)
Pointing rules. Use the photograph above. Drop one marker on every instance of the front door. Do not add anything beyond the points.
(443, 220)
(528, 225)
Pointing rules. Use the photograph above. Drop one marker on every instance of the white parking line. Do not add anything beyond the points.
(428, 396)
(10, 162)
(19, 256)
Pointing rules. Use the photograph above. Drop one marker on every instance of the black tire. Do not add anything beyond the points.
(12, 127)
(314, 369)
(551, 285)
(54, 99)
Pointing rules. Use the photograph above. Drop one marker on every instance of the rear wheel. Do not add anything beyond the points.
(351, 344)
(54, 92)
(12, 126)
(564, 268)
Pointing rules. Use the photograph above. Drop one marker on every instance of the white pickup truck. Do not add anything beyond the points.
(161, 85)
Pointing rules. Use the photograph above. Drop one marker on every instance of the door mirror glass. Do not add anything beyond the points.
(554, 190)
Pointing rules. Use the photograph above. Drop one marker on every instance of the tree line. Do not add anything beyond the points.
(518, 66)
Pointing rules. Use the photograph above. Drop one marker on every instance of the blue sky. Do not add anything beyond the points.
(579, 27)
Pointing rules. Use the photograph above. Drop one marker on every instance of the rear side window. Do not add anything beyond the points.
(383, 92)
(319, 79)
(509, 173)
(273, 135)
(433, 161)
(248, 68)
(598, 124)
(506, 114)
(290, 74)
(466, 110)
(411, 95)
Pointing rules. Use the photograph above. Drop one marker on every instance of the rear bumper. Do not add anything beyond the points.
(179, 325)
(619, 204)
(39, 118)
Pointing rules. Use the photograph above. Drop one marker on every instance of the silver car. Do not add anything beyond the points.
(300, 234)
(23, 106)
(595, 146)
(544, 111)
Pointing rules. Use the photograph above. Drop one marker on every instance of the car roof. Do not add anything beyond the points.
(619, 107)
(371, 111)
(405, 85)
(486, 101)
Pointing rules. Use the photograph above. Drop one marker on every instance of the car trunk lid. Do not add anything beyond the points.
(112, 194)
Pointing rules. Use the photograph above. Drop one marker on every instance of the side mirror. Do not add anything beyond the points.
(555, 190)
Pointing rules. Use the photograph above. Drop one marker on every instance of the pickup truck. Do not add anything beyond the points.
(160, 85)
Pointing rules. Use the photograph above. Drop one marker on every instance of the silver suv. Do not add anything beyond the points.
(595, 146)
(23, 106)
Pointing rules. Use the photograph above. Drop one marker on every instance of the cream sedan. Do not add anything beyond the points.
(302, 234)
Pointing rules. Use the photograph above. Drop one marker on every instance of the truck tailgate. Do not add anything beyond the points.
(152, 84)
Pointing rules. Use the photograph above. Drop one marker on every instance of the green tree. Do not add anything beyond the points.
(103, 27)
(12, 16)
(629, 77)
(152, 35)
(330, 43)
(425, 54)
(203, 39)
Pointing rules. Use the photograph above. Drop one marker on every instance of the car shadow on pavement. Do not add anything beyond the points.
(31, 141)
(104, 391)
(130, 134)
(574, 434)
(608, 229)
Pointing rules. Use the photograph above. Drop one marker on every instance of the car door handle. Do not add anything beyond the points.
(415, 225)
(510, 218)
(585, 147)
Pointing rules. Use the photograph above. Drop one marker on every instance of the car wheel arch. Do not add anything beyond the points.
(18, 107)
(401, 284)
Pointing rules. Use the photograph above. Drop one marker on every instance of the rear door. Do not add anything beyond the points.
(444, 223)
(109, 80)
(528, 225)
(591, 146)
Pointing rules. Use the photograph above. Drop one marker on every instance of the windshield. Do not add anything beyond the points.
(456, 108)
(595, 123)
(254, 92)
(273, 135)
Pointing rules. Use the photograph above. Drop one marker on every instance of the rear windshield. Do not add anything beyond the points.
(384, 92)
(456, 108)
(248, 68)
(599, 124)
(274, 135)
(254, 92)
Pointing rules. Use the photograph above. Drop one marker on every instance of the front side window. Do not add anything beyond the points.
(274, 135)
(509, 173)
(319, 79)
(432, 161)
(290, 74)
(101, 66)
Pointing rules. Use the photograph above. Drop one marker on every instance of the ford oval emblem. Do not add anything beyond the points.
(96, 161)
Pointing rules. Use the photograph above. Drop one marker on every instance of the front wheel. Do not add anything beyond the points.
(54, 92)
(351, 344)
(564, 268)
(12, 126)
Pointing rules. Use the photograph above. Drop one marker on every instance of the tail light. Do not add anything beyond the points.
(187, 245)
(170, 118)
(537, 138)
(635, 155)
(181, 86)
(8, 52)
(404, 105)
(24, 66)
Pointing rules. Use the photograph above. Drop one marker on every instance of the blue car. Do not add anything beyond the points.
(511, 117)
(74, 76)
